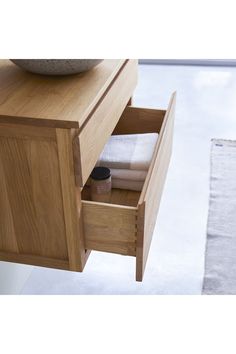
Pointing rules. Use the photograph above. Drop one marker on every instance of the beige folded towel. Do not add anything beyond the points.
(130, 175)
(130, 151)
(127, 184)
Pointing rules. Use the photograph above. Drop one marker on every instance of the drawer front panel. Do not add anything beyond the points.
(152, 190)
(97, 130)
(109, 228)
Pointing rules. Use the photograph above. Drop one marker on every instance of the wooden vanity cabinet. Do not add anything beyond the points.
(52, 131)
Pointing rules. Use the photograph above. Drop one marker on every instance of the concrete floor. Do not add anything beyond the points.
(206, 108)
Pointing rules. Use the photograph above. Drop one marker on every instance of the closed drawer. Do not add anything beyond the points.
(126, 224)
(95, 132)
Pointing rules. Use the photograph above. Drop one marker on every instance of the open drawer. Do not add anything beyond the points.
(126, 224)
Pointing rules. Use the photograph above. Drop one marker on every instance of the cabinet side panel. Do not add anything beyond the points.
(31, 208)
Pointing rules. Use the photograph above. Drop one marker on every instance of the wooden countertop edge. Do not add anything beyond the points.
(55, 123)
(39, 122)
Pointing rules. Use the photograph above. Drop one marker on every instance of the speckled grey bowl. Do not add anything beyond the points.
(56, 66)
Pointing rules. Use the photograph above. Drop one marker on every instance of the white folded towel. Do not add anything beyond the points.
(130, 151)
(128, 157)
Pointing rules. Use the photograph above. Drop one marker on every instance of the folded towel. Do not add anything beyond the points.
(133, 175)
(127, 184)
(130, 151)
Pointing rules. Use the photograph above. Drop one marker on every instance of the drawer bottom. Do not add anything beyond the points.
(118, 196)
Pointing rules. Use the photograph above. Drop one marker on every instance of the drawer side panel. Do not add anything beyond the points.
(151, 195)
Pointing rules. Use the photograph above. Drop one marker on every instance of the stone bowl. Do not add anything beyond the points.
(56, 66)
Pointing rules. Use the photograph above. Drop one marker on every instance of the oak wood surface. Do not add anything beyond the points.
(65, 101)
(102, 222)
(150, 197)
(36, 260)
(118, 196)
(109, 227)
(137, 120)
(96, 132)
(22, 131)
(71, 201)
(31, 206)
(42, 218)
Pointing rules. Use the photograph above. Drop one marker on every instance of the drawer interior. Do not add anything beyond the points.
(134, 120)
(112, 227)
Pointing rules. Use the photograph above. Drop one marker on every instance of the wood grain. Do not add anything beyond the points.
(31, 209)
(135, 120)
(97, 130)
(8, 240)
(109, 228)
(106, 226)
(21, 131)
(64, 101)
(118, 196)
(40, 204)
(36, 260)
(125, 197)
(151, 194)
(71, 201)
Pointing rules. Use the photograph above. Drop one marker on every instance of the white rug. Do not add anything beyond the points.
(220, 261)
